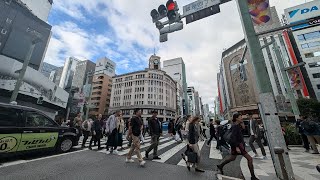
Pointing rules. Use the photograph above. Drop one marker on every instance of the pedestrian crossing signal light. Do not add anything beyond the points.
(162, 10)
(155, 15)
(171, 8)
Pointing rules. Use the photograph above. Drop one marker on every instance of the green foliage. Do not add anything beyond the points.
(292, 134)
(309, 107)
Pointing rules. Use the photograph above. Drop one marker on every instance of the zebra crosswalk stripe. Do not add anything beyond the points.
(159, 148)
(143, 146)
(214, 153)
(182, 162)
(171, 152)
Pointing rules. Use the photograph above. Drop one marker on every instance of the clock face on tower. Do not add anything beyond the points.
(156, 61)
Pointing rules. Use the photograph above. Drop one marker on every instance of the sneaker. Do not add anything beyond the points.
(264, 157)
(255, 156)
(147, 155)
(315, 152)
(220, 169)
(199, 170)
(115, 152)
(90, 148)
(254, 178)
(156, 157)
(142, 163)
(129, 160)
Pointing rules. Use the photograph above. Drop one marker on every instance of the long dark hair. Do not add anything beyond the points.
(235, 116)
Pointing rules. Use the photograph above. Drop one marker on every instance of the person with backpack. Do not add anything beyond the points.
(86, 128)
(193, 139)
(255, 136)
(235, 138)
(312, 130)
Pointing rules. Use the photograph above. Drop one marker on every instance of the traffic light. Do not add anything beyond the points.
(172, 9)
(155, 15)
(40, 100)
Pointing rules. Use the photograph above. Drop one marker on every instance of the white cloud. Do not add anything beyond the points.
(200, 44)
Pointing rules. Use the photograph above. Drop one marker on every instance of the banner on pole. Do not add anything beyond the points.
(295, 80)
(260, 12)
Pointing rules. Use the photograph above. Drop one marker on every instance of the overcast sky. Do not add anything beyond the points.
(122, 30)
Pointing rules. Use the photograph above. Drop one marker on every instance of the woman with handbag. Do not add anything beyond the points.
(237, 146)
(193, 139)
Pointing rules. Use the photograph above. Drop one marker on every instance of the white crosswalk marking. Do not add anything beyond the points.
(168, 154)
(159, 148)
(143, 146)
(214, 153)
(182, 162)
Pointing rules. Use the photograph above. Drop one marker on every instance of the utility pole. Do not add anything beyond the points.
(269, 110)
(36, 39)
(289, 90)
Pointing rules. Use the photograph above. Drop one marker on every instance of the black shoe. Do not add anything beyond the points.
(156, 157)
(100, 148)
(147, 155)
(220, 169)
(188, 168)
(254, 178)
(90, 148)
(199, 170)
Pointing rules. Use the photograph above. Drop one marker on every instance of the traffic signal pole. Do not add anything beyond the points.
(269, 111)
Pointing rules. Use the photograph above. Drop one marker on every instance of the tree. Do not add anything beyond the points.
(309, 107)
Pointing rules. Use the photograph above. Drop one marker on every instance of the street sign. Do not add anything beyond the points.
(202, 14)
(198, 6)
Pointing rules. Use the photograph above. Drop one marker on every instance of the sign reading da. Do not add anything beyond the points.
(303, 12)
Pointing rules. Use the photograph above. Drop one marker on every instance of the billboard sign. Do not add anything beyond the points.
(303, 12)
(260, 12)
(295, 80)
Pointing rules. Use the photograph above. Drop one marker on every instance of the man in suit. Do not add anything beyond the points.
(155, 128)
(255, 135)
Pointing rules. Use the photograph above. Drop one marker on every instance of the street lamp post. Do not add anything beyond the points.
(268, 106)
(35, 39)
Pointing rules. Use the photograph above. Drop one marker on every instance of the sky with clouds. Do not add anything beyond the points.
(122, 30)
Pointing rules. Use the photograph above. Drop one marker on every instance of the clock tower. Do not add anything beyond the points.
(154, 62)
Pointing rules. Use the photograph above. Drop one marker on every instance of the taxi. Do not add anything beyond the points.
(25, 129)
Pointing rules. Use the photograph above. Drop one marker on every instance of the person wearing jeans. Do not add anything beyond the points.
(255, 135)
(155, 133)
(136, 126)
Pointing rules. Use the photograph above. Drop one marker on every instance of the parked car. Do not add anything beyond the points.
(24, 129)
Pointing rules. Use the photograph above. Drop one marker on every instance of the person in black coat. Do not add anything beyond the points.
(212, 132)
(96, 130)
(238, 146)
(155, 127)
(171, 129)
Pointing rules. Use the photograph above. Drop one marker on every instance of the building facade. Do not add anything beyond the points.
(307, 39)
(191, 101)
(81, 72)
(68, 71)
(149, 89)
(47, 68)
(177, 70)
(40, 8)
(102, 86)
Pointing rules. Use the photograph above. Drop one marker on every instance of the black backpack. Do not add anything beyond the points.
(227, 134)
(309, 126)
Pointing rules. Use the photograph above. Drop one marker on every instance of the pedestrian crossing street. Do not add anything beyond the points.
(169, 150)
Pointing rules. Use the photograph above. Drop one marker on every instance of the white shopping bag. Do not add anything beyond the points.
(177, 137)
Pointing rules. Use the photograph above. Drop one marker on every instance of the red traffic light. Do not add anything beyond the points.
(170, 5)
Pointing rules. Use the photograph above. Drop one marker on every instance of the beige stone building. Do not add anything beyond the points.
(149, 89)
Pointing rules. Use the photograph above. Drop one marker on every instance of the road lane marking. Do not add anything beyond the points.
(159, 148)
(171, 152)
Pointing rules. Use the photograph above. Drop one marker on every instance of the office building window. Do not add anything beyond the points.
(315, 64)
(312, 54)
(309, 36)
(310, 45)
(318, 86)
